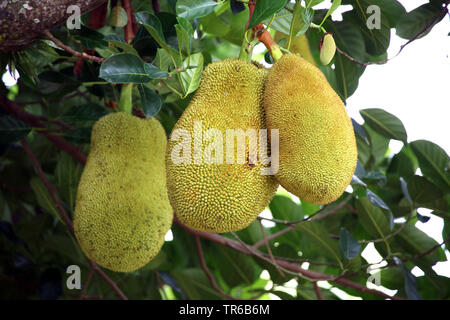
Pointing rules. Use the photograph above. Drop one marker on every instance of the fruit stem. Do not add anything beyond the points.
(264, 36)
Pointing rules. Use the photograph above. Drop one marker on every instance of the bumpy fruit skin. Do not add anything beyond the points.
(317, 144)
(299, 45)
(122, 211)
(221, 197)
(328, 49)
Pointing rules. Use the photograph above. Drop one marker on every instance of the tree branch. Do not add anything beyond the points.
(68, 49)
(291, 266)
(206, 270)
(25, 20)
(317, 290)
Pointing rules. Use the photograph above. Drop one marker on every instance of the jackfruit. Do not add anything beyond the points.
(317, 145)
(299, 45)
(206, 190)
(327, 48)
(122, 210)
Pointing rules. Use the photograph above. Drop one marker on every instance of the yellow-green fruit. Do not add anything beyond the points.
(205, 194)
(328, 49)
(299, 45)
(122, 211)
(316, 140)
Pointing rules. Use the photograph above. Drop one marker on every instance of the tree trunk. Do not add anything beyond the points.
(22, 21)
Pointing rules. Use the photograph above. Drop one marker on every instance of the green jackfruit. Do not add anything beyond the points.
(317, 145)
(205, 191)
(327, 49)
(122, 210)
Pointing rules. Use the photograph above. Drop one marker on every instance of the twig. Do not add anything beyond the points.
(207, 272)
(431, 249)
(72, 51)
(317, 290)
(270, 250)
(111, 282)
(86, 285)
(49, 187)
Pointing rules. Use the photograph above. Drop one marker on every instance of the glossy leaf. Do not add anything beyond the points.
(384, 123)
(349, 246)
(12, 129)
(318, 234)
(189, 9)
(265, 9)
(151, 102)
(433, 161)
(124, 68)
(190, 79)
(373, 219)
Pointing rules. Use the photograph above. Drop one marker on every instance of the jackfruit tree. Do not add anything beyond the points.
(177, 149)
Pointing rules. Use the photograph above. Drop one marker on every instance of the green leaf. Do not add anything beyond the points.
(403, 163)
(191, 9)
(347, 76)
(384, 123)
(377, 40)
(283, 208)
(405, 190)
(236, 268)
(372, 218)
(433, 161)
(67, 174)
(414, 22)
(184, 34)
(410, 282)
(349, 246)
(153, 25)
(282, 21)
(124, 68)
(319, 235)
(391, 10)
(154, 72)
(426, 194)
(194, 283)
(118, 42)
(416, 242)
(376, 200)
(83, 113)
(78, 135)
(301, 19)
(151, 102)
(265, 9)
(334, 6)
(43, 197)
(190, 79)
(12, 129)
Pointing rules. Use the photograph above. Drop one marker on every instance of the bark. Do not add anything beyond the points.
(22, 21)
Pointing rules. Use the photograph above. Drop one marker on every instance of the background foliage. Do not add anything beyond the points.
(155, 73)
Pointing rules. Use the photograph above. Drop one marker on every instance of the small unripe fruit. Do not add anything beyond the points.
(327, 48)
